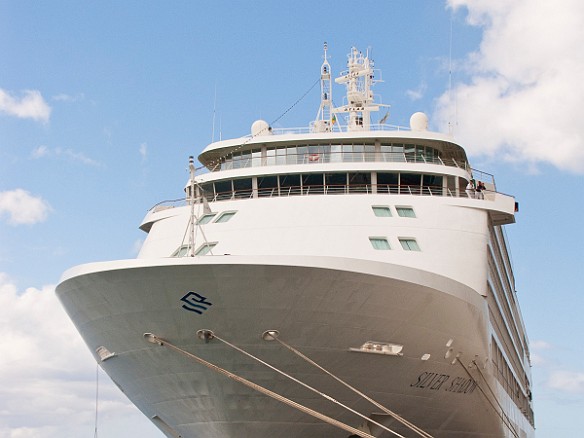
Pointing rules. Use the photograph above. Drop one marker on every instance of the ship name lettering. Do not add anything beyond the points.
(460, 385)
(432, 381)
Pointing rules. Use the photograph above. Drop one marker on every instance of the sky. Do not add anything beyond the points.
(102, 102)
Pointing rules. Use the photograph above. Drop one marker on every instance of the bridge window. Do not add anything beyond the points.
(290, 184)
(335, 182)
(267, 185)
(312, 183)
(223, 189)
(410, 182)
(387, 182)
(360, 182)
(432, 184)
(242, 188)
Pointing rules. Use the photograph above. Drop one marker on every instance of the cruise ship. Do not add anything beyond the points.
(347, 279)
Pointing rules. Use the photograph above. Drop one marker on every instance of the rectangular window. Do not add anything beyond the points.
(225, 216)
(335, 182)
(290, 185)
(405, 211)
(381, 210)
(380, 243)
(207, 191)
(360, 182)
(312, 183)
(242, 188)
(223, 189)
(205, 249)
(410, 183)
(267, 185)
(387, 182)
(206, 218)
(409, 244)
(432, 184)
(181, 252)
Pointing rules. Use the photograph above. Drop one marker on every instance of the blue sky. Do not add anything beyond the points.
(101, 103)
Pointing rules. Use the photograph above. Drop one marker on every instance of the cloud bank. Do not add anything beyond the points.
(29, 106)
(521, 101)
(47, 375)
(23, 208)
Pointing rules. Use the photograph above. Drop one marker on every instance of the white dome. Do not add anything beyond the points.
(419, 122)
(260, 127)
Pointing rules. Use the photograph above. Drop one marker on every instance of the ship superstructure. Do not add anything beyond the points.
(348, 279)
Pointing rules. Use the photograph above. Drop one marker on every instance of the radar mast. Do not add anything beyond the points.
(358, 79)
(325, 118)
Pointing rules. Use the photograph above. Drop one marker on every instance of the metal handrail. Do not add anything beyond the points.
(337, 157)
(333, 128)
(328, 189)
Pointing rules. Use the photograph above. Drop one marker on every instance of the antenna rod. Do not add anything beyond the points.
(192, 199)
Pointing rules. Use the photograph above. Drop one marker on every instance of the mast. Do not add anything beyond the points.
(324, 121)
(192, 201)
(359, 79)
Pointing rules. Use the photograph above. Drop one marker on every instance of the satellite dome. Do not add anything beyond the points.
(260, 127)
(419, 122)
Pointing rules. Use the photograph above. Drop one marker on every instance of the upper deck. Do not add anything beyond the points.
(339, 134)
(381, 143)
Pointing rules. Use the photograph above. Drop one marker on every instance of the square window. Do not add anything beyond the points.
(405, 211)
(381, 210)
(205, 249)
(379, 243)
(206, 218)
(409, 244)
(225, 216)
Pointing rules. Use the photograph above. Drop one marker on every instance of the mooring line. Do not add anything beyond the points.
(502, 415)
(322, 394)
(164, 343)
(274, 335)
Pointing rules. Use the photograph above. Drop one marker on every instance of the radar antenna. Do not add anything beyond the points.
(359, 78)
(325, 118)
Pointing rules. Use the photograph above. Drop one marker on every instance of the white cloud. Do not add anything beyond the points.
(68, 98)
(567, 381)
(47, 375)
(30, 106)
(418, 93)
(22, 207)
(44, 151)
(522, 100)
(41, 151)
(540, 345)
(143, 151)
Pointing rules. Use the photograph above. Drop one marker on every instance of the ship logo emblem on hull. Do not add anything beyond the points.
(195, 302)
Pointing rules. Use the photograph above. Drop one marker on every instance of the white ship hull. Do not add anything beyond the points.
(322, 306)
